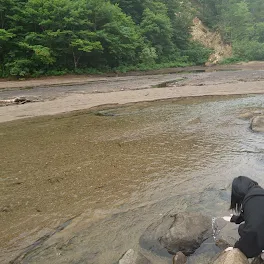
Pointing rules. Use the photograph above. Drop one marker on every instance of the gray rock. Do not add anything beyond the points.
(247, 115)
(257, 260)
(251, 114)
(257, 124)
(205, 253)
(234, 256)
(133, 257)
(21, 100)
(226, 233)
(195, 121)
(181, 232)
(179, 258)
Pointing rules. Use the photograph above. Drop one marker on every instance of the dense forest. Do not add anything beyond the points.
(40, 37)
(240, 22)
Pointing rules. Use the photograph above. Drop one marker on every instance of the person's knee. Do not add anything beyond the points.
(241, 229)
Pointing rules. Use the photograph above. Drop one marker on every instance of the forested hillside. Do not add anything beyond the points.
(241, 23)
(57, 36)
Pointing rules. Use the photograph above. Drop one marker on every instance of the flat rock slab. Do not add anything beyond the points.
(226, 233)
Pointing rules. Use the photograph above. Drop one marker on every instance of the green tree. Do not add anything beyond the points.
(237, 22)
(120, 37)
(133, 8)
(157, 29)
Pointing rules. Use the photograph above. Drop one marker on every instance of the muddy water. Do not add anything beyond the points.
(118, 170)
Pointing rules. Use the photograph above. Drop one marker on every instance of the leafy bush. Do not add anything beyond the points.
(249, 50)
(231, 60)
(19, 67)
(197, 54)
(148, 55)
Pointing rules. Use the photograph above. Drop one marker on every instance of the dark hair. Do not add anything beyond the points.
(240, 187)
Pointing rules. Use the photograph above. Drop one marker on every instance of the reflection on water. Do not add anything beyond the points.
(121, 170)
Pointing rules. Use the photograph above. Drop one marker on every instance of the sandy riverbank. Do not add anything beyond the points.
(77, 94)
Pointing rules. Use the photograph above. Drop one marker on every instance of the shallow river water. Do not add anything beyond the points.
(118, 170)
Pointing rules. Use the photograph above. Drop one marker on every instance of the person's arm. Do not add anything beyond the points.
(238, 219)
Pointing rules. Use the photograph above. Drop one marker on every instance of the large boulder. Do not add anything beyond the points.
(226, 233)
(181, 232)
(257, 123)
(234, 256)
(133, 257)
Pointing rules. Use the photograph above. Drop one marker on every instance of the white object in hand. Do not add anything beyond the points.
(227, 218)
(229, 249)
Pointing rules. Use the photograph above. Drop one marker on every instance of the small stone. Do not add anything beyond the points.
(179, 258)
(6, 209)
(20, 100)
(247, 115)
(257, 124)
(195, 121)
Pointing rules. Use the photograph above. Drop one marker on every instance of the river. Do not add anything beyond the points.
(114, 171)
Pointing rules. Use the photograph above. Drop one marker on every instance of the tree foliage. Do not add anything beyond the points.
(40, 36)
(241, 23)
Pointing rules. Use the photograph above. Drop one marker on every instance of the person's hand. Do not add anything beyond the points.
(227, 218)
(229, 249)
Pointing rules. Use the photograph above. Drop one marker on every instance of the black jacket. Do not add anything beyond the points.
(251, 242)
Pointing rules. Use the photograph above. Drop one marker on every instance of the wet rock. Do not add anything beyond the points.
(133, 257)
(226, 233)
(205, 253)
(257, 260)
(259, 112)
(234, 256)
(251, 114)
(103, 114)
(187, 233)
(21, 100)
(195, 121)
(257, 124)
(6, 209)
(181, 232)
(6, 102)
(179, 258)
(247, 115)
